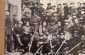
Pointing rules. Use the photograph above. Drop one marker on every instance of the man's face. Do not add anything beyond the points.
(84, 5)
(59, 23)
(62, 14)
(74, 16)
(20, 25)
(29, 6)
(76, 21)
(35, 5)
(7, 13)
(66, 23)
(82, 12)
(28, 14)
(72, 5)
(41, 5)
(44, 23)
(27, 24)
(59, 6)
(65, 5)
(78, 4)
(35, 15)
(53, 7)
(49, 5)
(48, 13)
(55, 14)
(69, 16)
(15, 25)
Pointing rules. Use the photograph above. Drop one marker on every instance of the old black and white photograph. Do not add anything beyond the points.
(44, 27)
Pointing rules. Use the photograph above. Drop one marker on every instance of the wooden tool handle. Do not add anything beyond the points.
(73, 48)
(38, 49)
(60, 47)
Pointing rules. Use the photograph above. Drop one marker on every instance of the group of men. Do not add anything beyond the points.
(50, 31)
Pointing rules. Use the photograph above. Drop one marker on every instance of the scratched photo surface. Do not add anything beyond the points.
(45, 27)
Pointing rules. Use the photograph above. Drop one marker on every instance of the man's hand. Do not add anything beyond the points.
(17, 35)
(21, 44)
(29, 45)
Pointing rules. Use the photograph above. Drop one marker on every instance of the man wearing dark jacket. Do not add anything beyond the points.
(18, 31)
(8, 33)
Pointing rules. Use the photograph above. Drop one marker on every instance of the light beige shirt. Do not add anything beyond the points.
(27, 29)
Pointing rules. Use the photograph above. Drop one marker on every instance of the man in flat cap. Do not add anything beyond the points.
(66, 10)
(83, 6)
(49, 6)
(41, 10)
(79, 9)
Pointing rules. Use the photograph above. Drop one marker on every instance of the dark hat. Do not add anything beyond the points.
(47, 11)
(54, 6)
(41, 4)
(49, 4)
(84, 3)
(64, 3)
(59, 4)
(26, 2)
(72, 3)
(79, 2)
